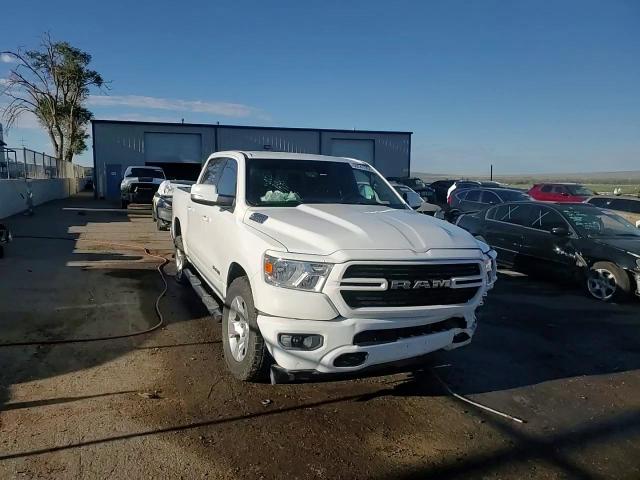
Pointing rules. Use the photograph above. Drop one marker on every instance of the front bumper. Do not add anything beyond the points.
(338, 339)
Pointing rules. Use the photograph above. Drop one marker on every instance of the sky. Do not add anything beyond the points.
(528, 86)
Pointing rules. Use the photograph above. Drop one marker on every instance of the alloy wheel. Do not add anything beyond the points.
(238, 329)
(602, 284)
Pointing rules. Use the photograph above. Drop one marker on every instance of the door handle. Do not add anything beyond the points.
(205, 218)
(189, 208)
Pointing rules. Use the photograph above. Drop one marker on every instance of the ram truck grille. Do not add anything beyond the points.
(410, 285)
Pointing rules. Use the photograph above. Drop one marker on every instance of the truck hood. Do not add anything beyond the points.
(325, 229)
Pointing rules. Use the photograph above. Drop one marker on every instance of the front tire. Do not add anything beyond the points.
(245, 351)
(606, 281)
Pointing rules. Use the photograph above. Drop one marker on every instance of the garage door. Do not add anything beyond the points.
(172, 148)
(347, 147)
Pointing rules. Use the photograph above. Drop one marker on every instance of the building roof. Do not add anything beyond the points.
(178, 124)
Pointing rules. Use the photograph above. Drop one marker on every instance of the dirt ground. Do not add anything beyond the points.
(162, 405)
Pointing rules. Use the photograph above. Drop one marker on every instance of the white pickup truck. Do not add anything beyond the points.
(322, 267)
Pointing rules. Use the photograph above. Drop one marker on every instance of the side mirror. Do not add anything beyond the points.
(208, 195)
(560, 231)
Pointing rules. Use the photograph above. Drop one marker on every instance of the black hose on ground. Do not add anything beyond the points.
(159, 268)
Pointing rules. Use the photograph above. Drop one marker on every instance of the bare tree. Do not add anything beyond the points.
(53, 83)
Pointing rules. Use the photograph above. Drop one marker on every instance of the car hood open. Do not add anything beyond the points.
(319, 229)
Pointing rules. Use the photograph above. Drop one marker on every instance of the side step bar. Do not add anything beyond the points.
(209, 301)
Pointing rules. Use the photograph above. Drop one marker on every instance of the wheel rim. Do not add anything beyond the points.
(238, 329)
(179, 261)
(602, 284)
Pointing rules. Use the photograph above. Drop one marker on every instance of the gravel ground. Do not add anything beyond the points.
(162, 405)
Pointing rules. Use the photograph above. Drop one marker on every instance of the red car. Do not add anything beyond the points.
(560, 192)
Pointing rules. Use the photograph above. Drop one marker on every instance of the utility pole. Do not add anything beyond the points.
(491, 173)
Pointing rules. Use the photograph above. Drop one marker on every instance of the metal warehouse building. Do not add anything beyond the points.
(181, 148)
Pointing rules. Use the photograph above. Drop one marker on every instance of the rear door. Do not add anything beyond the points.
(545, 193)
(471, 201)
(504, 230)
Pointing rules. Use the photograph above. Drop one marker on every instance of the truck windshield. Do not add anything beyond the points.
(146, 172)
(287, 183)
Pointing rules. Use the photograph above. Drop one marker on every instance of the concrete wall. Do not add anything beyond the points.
(13, 193)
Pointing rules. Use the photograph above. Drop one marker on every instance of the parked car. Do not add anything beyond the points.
(474, 199)
(441, 187)
(625, 206)
(560, 192)
(5, 238)
(140, 184)
(321, 267)
(414, 200)
(460, 185)
(592, 245)
(161, 205)
(417, 185)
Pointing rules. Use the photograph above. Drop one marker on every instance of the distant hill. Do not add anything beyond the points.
(631, 177)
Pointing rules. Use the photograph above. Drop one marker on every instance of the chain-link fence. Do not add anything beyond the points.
(26, 163)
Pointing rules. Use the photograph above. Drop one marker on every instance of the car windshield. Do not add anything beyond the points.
(513, 196)
(288, 183)
(591, 221)
(412, 197)
(145, 172)
(579, 190)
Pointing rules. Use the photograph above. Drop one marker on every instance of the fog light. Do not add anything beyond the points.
(300, 341)
(350, 359)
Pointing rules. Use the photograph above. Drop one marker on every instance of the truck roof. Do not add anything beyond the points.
(269, 155)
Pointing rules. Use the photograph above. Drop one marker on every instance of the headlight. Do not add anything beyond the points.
(488, 265)
(295, 274)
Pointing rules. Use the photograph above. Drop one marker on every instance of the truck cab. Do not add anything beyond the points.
(318, 275)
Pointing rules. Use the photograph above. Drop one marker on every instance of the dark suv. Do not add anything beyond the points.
(627, 207)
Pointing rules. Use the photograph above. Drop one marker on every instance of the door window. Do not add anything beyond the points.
(624, 205)
(544, 218)
(212, 171)
(473, 196)
(228, 178)
(489, 198)
(516, 214)
(546, 188)
(559, 189)
(599, 202)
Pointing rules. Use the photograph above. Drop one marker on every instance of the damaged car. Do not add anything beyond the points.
(140, 184)
(596, 247)
(162, 205)
(5, 238)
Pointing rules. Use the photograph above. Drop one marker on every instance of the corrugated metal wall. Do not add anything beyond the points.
(123, 143)
(297, 141)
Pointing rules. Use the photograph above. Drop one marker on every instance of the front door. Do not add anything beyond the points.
(198, 241)
(544, 249)
(219, 225)
(114, 178)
